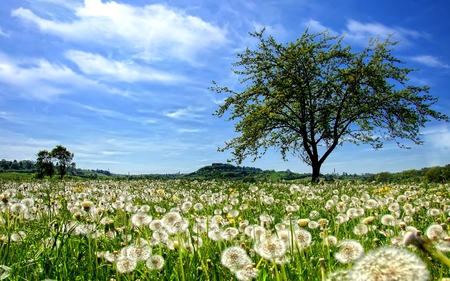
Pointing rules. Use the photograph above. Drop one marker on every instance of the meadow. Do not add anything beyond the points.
(219, 230)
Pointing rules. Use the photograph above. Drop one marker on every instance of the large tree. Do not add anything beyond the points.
(44, 164)
(309, 96)
(63, 158)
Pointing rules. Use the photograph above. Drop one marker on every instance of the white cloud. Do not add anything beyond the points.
(315, 26)
(187, 113)
(93, 64)
(21, 147)
(438, 136)
(189, 130)
(3, 34)
(361, 33)
(151, 32)
(38, 78)
(429, 61)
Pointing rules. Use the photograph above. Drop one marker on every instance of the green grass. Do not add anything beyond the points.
(14, 176)
(63, 233)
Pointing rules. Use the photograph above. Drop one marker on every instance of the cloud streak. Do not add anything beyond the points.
(153, 32)
(429, 61)
(97, 65)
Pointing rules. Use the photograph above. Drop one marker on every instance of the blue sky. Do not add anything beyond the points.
(124, 85)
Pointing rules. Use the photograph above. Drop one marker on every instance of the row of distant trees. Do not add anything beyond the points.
(436, 174)
(26, 165)
(58, 159)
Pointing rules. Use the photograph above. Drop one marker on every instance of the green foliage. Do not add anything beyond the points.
(383, 177)
(307, 97)
(221, 171)
(44, 164)
(63, 157)
(438, 174)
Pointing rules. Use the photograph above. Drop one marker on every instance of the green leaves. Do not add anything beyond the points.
(308, 96)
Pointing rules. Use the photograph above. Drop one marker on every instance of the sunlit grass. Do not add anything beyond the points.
(180, 230)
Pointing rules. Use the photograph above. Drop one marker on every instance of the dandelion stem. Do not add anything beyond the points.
(259, 263)
(180, 257)
(444, 259)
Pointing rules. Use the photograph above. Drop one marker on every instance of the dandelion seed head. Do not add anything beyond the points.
(360, 229)
(215, 234)
(371, 204)
(138, 253)
(106, 221)
(389, 263)
(198, 206)
(313, 224)
(331, 240)
(247, 273)
(435, 232)
(433, 212)
(155, 225)
(303, 238)
(125, 265)
(170, 218)
(350, 250)
(271, 248)
(112, 257)
(18, 236)
(28, 202)
(235, 258)
(18, 208)
(314, 214)
(388, 220)
(144, 209)
(141, 219)
(155, 262)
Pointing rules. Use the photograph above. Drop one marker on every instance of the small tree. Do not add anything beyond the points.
(384, 177)
(307, 97)
(63, 158)
(44, 164)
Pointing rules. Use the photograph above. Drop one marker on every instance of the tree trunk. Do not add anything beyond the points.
(315, 172)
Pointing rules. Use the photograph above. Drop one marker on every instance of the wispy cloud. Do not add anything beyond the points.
(438, 136)
(41, 79)
(187, 113)
(97, 65)
(189, 130)
(429, 61)
(151, 32)
(316, 26)
(360, 33)
(3, 33)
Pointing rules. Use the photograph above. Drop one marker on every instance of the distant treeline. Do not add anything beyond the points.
(222, 171)
(23, 166)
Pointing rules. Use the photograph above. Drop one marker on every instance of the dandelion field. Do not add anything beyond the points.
(211, 230)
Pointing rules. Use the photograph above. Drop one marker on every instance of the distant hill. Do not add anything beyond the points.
(248, 174)
(221, 171)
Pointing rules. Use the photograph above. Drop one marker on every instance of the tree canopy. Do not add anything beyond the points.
(44, 164)
(63, 158)
(45, 159)
(307, 97)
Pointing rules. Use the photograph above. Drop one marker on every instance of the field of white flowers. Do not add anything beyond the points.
(187, 230)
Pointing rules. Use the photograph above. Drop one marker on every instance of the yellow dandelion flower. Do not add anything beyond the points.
(303, 222)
